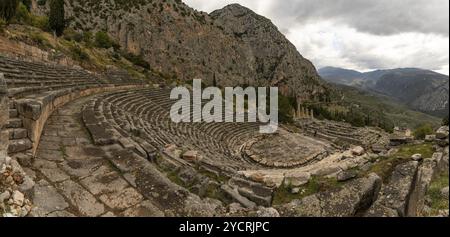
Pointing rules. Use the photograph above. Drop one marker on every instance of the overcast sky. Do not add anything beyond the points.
(359, 34)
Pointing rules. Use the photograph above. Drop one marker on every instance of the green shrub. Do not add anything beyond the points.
(72, 35)
(78, 53)
(285, 107)
(2, 25)
(88, 38)
(102, 40)
(423, 130)
(137, 60)
(40, 22)
(23, 16)
(39, 39)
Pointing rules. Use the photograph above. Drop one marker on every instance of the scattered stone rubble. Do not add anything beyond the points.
(14, 187)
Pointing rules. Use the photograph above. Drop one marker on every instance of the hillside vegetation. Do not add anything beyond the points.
(94, 51)
(418, 89)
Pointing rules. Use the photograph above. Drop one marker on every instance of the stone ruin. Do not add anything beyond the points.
(303, 113)
(86, 145)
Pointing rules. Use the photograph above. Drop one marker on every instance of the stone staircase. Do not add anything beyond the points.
(18, 135)
(36, 89)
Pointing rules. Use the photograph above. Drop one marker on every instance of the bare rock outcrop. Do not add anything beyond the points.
(395, 195)
(351, 200)
(274, 57)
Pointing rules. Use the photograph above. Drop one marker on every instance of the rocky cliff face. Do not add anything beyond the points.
(274, 58)
(232, 46)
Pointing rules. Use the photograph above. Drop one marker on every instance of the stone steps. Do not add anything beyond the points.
(255, 192)
(17, 133)
(14, 123)
(19, 145)
(26, 78)
(147, 111)
(13, 113)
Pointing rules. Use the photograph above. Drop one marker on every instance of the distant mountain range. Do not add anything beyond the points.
(421, 90)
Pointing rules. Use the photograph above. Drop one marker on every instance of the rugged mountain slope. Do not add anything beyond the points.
(422, 90)
(342, 76)
(275, 58)
(233, 46)
(419, 89)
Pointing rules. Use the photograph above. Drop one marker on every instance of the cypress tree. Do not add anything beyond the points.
(27, 3)
(214, 80)
(56, 17)
(8, 9)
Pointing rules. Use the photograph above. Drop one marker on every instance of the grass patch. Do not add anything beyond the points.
(434, 192)
(214, 192)
(173, 176)
(386, 165)
(213, 176)
(40, 39)
(317, 184)
(426, 149)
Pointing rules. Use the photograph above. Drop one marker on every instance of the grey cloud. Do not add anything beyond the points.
(381, 17)
(421, 58)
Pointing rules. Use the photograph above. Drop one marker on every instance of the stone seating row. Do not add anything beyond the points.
(147, 112)
(36, 89)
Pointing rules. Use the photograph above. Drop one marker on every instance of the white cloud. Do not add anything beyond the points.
(326, 44)
(330, 35)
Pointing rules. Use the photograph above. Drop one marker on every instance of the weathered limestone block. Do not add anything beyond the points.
(191, 156)
(430, 138)
(346, 175)
(234, 194)
(416, 157)
(442, 132)
(29, 108)
(328, 169)
(444, 192)
(256, 192)
(358, 151)
(441, 161)
(424, 176)
(442, 142)
(296, 179)
(350, 200)
(395, 196)
(378, 148)
(4, 116)
(19, 145)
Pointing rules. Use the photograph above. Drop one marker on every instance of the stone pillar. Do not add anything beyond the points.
(4, 117)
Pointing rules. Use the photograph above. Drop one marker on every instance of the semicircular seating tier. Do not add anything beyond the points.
(36, 89)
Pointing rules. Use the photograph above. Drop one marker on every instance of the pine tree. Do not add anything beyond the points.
(56, 17)
(8, 9)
